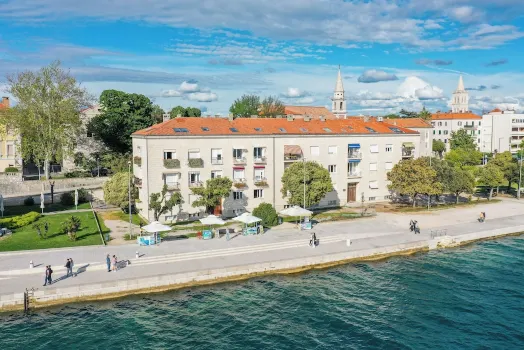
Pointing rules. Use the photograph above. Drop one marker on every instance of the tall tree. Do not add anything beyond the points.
(491, 176)
(463, 158)
(507, 164)
(212, 194)
(47, 114)
(116, 190)
(193, 112)
(408, 114)
(158, 113)
(245, 106)
(160, 205)
(271, 106)
(424, 114)
(439, 147)
(317, 183)
(460, 181)
(461, 139)
(412, 177)
(178, 111)
(122, 114)
(391, 116)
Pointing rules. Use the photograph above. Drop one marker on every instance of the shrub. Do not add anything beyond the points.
(83, 195)
(11, 169)
(20, 220)
(267, 213)
(71, 227)
(67, 199)
(171, 163)
(76, 173)
(195, 162)
(29, 201)
(116, 190)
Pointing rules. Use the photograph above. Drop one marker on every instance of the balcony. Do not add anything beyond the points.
(196, 184)
(171, 163)
(240, 161)
(259, 160)
(470, 127)
(195, 162)
(408, 152)
(217, 161)
(261, 181)
(173, 186)
(239, 183)
(292, 157)
(354, 154)
(354, 174)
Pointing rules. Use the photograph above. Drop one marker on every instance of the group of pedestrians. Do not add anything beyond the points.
(48, 278)
(112, 263)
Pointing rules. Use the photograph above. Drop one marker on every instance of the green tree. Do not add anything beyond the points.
(176, 111)
(462, 158)
(160, 205)
(491, 176)
(424, 114)
(391, 116)
(212, 194)
(317, 181)
(157, 113)
(508, 165)
(116, 190)
(439, 147)
(71, 226)
(245, 106)
(412, 177)
(122, 114)
(271, 107)
(408, 114)
(47, 114)
(460, 181)
(193, 112)
(267, 213)
(461, 139)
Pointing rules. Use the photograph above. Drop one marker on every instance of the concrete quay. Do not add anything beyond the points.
(192, 262)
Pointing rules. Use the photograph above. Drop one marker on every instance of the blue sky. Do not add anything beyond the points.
(393, 53)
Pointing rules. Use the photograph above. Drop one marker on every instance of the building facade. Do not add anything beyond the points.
(424, 128)
(445, 123)
(185, 152)
(9, 141)
(502, 131)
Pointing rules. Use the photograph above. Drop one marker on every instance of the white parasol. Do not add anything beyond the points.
(42, 205)
(247, 218)
(76, 199)
(2, 204)
(212, 220)
(295, 211)
(156, 226)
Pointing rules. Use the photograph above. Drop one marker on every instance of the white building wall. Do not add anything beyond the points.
(502, 131)
(442, 129)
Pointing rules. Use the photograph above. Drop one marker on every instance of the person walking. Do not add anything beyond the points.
(46, 275)
(113, 264)
(68, 267)
(108, 262)
(49, 275)
(72, 265)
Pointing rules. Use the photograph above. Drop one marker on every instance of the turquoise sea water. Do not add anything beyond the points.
(465, 298)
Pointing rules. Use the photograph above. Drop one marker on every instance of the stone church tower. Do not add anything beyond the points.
(460, 100)
(339, 102)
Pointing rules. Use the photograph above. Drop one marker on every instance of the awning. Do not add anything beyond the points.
(354, 145)
(259, 167)
(238, 168)
(353, 160)
(292, 149)
(408, 144)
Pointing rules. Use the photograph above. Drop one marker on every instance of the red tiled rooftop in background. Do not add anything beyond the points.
(496, 110)
(409, 122)
(313, 112)
(453, 116)
(268, 126)
(4, 102)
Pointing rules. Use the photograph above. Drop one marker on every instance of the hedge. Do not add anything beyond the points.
(20, 220)
(11, 169)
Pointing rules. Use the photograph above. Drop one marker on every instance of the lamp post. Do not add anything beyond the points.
(520, 170)
(304, 163)
(129, 192)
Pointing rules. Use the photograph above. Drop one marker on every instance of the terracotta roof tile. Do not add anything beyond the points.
(409, 122)
(268, 126)
(496, 110)
(313, 112)
(448, 116)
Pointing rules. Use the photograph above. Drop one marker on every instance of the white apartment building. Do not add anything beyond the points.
(502, 131)
(185, 152)
(424, 128)
(445, 123)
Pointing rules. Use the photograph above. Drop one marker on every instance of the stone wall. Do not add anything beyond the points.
(15, 186)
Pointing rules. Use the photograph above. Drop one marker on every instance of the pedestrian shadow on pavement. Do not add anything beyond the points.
(80, 270)
(122, 264)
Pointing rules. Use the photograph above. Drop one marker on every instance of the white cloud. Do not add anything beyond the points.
(294, 93)
(375, 76)
(202, 96)
(429, 92)
(171, 93)
(186, 87)
(304, 100)
(464, 13)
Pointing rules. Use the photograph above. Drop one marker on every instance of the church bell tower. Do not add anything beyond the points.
(339, 102)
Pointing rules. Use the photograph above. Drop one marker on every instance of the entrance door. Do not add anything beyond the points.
(352, 192)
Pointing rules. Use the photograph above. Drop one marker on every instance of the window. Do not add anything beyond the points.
(259, 152)
(433, 132)
(389, 147)
(372, 198)
(10, 150)
(181, 130)
(282, 130)
(332, 149)
(389, 165)
(204, 128)
(172, 179)
(445, 132)
(303, 129)
(341, 105)
(216, 156)
(479, 122)
(233, 129)
(373, 166)
(332, 202)
(445, 123)
(260, 174)
(238, 174)
(445, 140)
(138, 150)
(370, 129)
(237, 153)
(258, 129)
(194, 154)
(327, 129)
(459, 123)
(169, 154)
(216, 174)
(258, 193)
(194, 177)
(315, 150)
(479, 132)
(373, 185)
(332, 169)
(440, 132)
(478, 140)
(373, 148)
(237, 195)
(439, 123)
(396, 130)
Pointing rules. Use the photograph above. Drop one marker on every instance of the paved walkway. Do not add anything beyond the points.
(188, 255)
(118, 230)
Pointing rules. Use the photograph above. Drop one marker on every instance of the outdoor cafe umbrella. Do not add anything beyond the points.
(2, 204)
(295, 211)
(76, 199)
(247, 219)
(155, 227)
(42, 205)
(212, 220)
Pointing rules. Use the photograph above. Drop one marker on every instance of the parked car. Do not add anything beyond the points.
(103, 172)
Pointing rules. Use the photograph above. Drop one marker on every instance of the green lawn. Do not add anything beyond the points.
(120, 215)
(23, 209)
(26, 238)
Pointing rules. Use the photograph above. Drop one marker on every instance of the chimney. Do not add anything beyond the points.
(254, 116)
(230, 117)
(380, 119)
(290, 118)
(5, 101)
(307, 118)
(166, 117)
(322, 118)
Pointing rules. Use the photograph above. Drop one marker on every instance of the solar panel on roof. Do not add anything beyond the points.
(233, 129)
(370, 129)
(181, 130)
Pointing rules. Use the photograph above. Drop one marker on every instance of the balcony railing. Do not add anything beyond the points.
(470, 127)
(195, 162)
(196, 184)
(261, 181)
(171, 163)
(292, 157)
(408, 152)
(217, 161)
(259, 160)
(240, 160)
(239, 182)
(354, 155)
(354, 174)
(173, 186)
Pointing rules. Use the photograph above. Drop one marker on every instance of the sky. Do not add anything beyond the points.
(393, 54)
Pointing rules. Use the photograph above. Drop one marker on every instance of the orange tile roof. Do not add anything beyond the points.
(268, 126)
(313, 112)
(448, 116)
(496, 110)
(409, 122)
(4, 103)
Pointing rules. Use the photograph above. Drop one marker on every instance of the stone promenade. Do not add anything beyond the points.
(192, 260)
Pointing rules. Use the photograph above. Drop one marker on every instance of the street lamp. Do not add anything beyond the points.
(304, 163)
(129, 192)
(520, 170)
